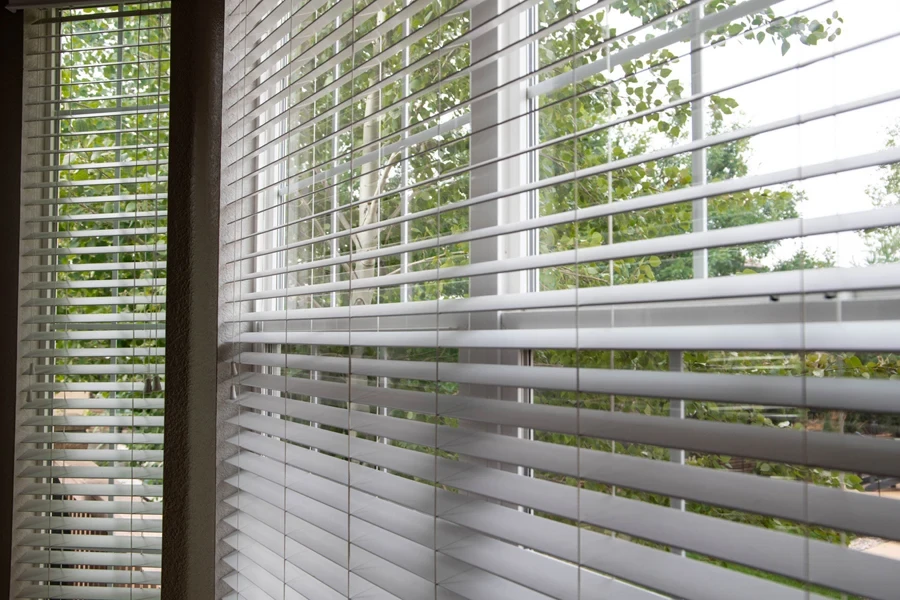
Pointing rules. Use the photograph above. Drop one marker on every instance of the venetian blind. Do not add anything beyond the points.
(92, 318)
(576, 299)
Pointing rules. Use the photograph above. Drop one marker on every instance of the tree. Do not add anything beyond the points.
(125, 70)
(884, 244)
(362, 124)
(654, 81)
(376, 120)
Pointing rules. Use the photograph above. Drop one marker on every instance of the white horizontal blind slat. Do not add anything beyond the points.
(570, 300)
(88, 515)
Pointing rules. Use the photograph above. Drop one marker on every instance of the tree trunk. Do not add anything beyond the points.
(364, 241)
(367, 212)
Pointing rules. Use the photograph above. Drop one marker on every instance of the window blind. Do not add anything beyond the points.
(538, 299)
(92, 317)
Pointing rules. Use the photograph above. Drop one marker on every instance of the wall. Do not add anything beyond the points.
(10, 165)
(189, 518)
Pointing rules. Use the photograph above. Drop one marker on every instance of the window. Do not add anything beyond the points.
(93, 284)
(569, 300)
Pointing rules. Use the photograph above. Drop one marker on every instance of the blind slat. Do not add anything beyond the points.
(112, 317)
(94, 524)
(791, 229)
(530, 300)
(733, 236)
(250, 478)
(93, 507)
(91, 576)
(850, 336)
(95, 542)
(127, 421)
(92, 489)
(95, 217)
(783, 500)
(92, 558)
(87, 593)
(653, 529)
(93, 438)
(92, 342)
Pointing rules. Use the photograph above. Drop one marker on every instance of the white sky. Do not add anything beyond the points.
(856, 75)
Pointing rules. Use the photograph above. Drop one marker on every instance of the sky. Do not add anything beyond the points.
(856, 75)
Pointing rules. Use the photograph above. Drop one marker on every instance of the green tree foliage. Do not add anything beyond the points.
(114, 84)
(608, 117)
(884, 244)
(656, 81)
(637, 92)
(632, 109)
